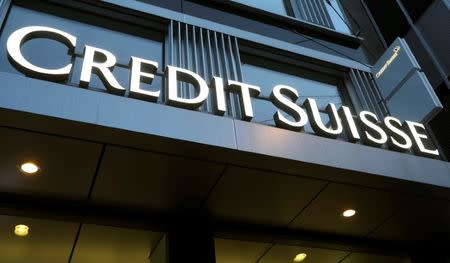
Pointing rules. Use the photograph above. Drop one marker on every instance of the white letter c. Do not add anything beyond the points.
(20, 36)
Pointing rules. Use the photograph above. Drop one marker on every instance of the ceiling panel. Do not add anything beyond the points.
(159, 254)
(236, 251)
(153, 181)
(371, 258)
(67, 165)
(283, 253)
(47, 242)
(103, 244)
(261, 197)
(324, 213)
(418, 219)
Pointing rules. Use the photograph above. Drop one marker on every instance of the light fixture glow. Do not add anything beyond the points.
(21, 230)
(300, 257)
(349, 213)
(29, 168)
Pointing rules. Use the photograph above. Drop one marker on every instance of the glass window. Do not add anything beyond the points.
(56, 241)
(327, 13)
(274, 6)
(97, 243)
(228, 250)
(266, 75)
(337, 16)
(267, 78)
(49, 53)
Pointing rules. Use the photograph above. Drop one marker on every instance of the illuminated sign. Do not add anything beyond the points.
(365, 127)
(389, 62)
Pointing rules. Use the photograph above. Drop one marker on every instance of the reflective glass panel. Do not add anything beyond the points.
(337, 16)
(266, 79)
(267, 74)
(274, 6)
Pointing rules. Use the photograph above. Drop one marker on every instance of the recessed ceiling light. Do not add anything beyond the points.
(300, 257)
(349, 213)
(29, 168)
(21, 230)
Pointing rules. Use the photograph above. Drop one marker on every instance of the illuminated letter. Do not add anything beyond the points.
(20, 36)
(278, 97)
(221, 106)
(420, 147)
(91, 64)
(349, 124)
(316, 122)
(173, 98)
(245, 92)
(393, 128)
(137, 65)
(368, 124)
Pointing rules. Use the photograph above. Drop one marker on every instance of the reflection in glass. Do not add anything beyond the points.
(274, 6)
(337, 16)
(266, 79)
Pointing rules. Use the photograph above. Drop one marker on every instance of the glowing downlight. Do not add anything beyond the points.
(349, 213)
(300, 257)
(21, 230)
(29, 168)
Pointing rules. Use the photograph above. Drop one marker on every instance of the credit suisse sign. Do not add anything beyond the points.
(365, 127)
(400, 81)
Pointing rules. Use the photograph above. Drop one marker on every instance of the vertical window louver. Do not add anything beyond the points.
(207, 53)
(313, 11)
(368, 93)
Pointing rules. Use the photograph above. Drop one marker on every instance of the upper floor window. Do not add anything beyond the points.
(327, 13)
(274, 6)
(337, 16)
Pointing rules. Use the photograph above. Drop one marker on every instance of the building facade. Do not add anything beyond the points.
(419, 25)
(236, 131)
